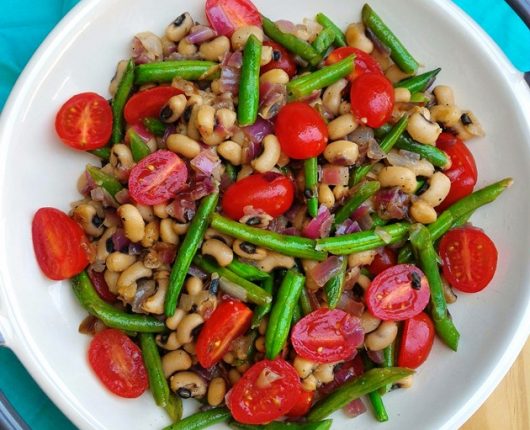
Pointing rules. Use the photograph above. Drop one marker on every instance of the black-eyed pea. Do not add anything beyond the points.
(120, 70)
(151, 234)
(273, 260)
(340, 191)
(242, 368)
(230, 151)
(229, 358)
(356, 38)
(192, 130)
(332, 97)
(471, 124)
(121, 156)
(270, 155)
(212, 233)
(283, 160)
(262, 329)
(341, 126)
(342, 152)
(180, 228)
(448, 115)
(173, 321)
(215, 138)
(363, 281)
(382, 337)
(186, 48)
(444, 95)
(397, 176)
(133, 223)
(215, 86)
(189, 348)
(186, 327)
(422, 212)
(194, 285)
(215, 49)
(401, 95)
(175, 361)
(406, 382)
(324, 373)
(168, 46)
(205, 120)
(304, 367)
(344, 107)
(111, 278)
(188, 384)
(241, 35)
(233, 376)
(325, 196)
(246, 170)
(449, 294)
(266, 55)
(160, 210)
(369, 323)
(218, 250)
(173, 109)
(168, 342)
(226, 118)
(248, 250)
(362, 258)
(216, 391)
(422, 129)
(87, 216)
(167, 233)
(310, 383)
(134, 272)
(274, 76)
(118, 261)
(395, 74)
(439, 187)
(155, 303)
(179, 28)
(260, 344)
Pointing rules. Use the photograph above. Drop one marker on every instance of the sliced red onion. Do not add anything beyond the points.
(146, 48)
(203, 186)
(378, 357)
(343, 373)
(391, 203)
(354, 408)
(250, 150)
(120, 241)
(272, 98)
(135, 249)
(335, 175)
(141, 131)
(145, 289)
(257, 131)
(291, 231)
(324, 271)
(347, 227)
(313, 97)
(200, 33)
(182, 209)
(123, 196)
(206, 162)
(361, 135)
(374, 151)
(403, 158)
(166, 252)
(351, 278)
(100, 285)
(286, 26)
(362, 216)
(383, 234)
(198, 273)
(89, 184)
(278, 224)
(230, 72)
(320, 226)
(348, 304)
(99, 194)
(169, 131)
(313, 28)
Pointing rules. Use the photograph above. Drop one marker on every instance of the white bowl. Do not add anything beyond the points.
(39, 318)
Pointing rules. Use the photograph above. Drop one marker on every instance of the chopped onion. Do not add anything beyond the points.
(335, 175)
(206, 162)
(348, 304)
(363, 217)
(146, 48)
(320, 226)
(230, 72)
(99, 194)
(377, 357)
(355, 408)
(391, 203)
(145, 289)
(166, 252)
(120, 241)
(374, 151)
(313, 28)
(361, 135)
(123, 196)
(324, 271)
(200, 33)
(383, 234)
(343, 373)
(402, 158)
(257, 131)
(286, 26)
(233, 289)
(182, 209)
(347, 227)
(351, 278)
(272, 98)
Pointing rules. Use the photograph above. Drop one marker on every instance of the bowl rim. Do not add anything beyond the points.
(9, 326)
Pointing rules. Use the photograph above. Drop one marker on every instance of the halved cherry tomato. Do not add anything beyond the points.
(281, 59)
(270, 192)
(327, 336)
(372, 99)
(463, 171)
(303, 404)
(364, 63)
(225, 16)
(469, 259)
(84, 122)
(385, 258)
(60, 244)
(118, 363)
(266, 391)
(301, 131)
(157, 178)
(398, 293)
(416, 341)
(230, 320)
(101, 286)
(148, 103)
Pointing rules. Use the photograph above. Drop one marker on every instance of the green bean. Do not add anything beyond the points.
(363, 192)
(174, 407)
(419, 83)
(386, 145)
(279, 425)
(458, 211)
(111, 316)
(355, 388)
(388, 361)
(187, 250)
(246, 290)
(364, 240)
(324, 77)
(403, 59)
(297, 313)
(103, 153)
(118, 102)
(422, 245)
(325, 22)
(261, 311)
(324, 40)
(375, 397)
(201, 420)
(139, 148)
(311, 182)
(247, 110)
(288, 245)
(109, 183)
(155, 126)
(157, 380)
(335, 285)
(305, 302)
(247, 271)
(431, 153)
(165, 71)
(418, 98)
(291, 42)
(231, 171)
(282, 313)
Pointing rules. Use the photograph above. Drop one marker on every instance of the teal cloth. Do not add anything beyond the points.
(24, 24)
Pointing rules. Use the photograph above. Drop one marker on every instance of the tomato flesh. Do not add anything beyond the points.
(157, 178)
(118, 363)
(148, 103)
(398, 293)
(384, 259)
(270, 192)
(281, 59)
(303, 404)
(327, 336)
(301, 131)
(84, 122)
(230, 320)
(225, 16)
(364, 63)
(469, 259)
(372, 99)
(59, 243)
(416, 341)
(265, 392)
(463, 171)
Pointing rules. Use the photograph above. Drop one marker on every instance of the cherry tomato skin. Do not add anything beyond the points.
(225, 16)
(372, 99)
(416, 341)
(281, 59)
(60, 244)
(469, 259)
(84, 122)
(398, 293)
(384, 259)
(230, 320)
(157, 178)
(101, 286)
(251, 403)
(303, 404)
(301, 131)
(463, 171)
(148, 103)
(117, 362)
(364, 63)
(327, 336)
(270, 192)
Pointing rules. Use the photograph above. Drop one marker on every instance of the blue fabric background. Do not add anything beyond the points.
(24, 24)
